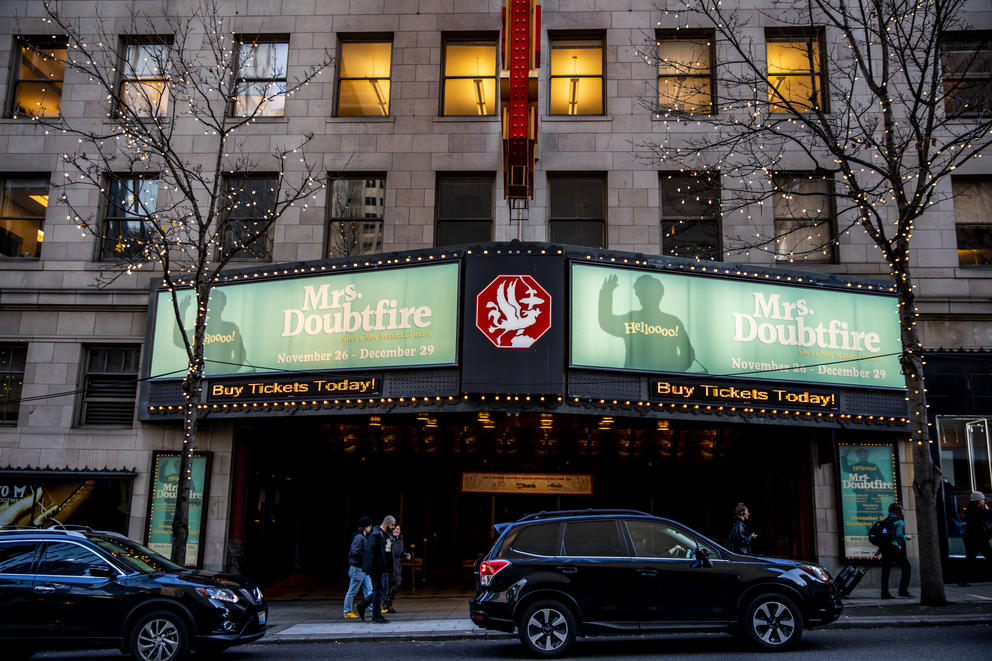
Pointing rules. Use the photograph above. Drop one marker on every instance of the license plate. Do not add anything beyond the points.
(261, 617)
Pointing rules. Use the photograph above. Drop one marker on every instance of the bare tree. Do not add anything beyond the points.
(182, 189)
(872, 101)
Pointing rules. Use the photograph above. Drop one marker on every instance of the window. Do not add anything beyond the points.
(251, 204)
(469, 77)
(127, 228)
(17, 557)
(110, 384)
(966, 58)
(690, 213)
(464, 209)
(795, 76)
(40, 70)
(363, 85)
(12, 361)
(261, 90)
(145, 83)
(68, 559)
(576, 76)
(658, 540)
(973, 220)
(803, 218)
(355, 226)
(539, 539)
(22, 216)
(685, 72)
(597, 538)
(578, 210)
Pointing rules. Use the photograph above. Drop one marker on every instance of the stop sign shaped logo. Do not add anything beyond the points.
(513, 311)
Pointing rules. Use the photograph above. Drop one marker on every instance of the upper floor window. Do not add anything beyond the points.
(145, 82)
(795, 73)
(250, 207)
(685, 72)
(261, 90)
(804, 228)
(578, 209)
(690, 215)
(127, 227)
(464, 209)
(576, 86)
(23, 202)
(12, 361)
(355, 220)
(363, 82)
(973, 220)
(110, 385)
(39, 72)
(469, 77)
(966, 59)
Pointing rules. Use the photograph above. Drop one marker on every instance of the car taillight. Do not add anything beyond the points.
(490, 568)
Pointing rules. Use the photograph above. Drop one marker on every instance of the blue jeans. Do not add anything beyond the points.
(359, 579)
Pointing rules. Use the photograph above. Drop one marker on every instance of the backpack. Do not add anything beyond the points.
(880, 533)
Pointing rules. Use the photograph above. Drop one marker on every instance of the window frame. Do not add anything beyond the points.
(38, 220)
(36, 42)
(830, 221)
(716, 219)
(982, 37)
(375, 38)
(85, 399)
(40, 559)
(104, 254)
(625, 552)
(577, 36)
(786, 35)
(240, 80)
(475, 39)
(332, 219)
(8, 373)
(228, 222)
(603, 179)
(690, 35)
(489, 177)
(959, 226)
(129, 41)
(34, 555)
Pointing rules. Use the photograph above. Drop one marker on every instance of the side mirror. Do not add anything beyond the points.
(102, 571)
(702, 558)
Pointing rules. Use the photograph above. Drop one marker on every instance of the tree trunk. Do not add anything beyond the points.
(192, 386)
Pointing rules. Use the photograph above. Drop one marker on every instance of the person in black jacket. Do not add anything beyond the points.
(977, 520)
(357, 577)
(739, 538)
(376, 566)
(398, 552)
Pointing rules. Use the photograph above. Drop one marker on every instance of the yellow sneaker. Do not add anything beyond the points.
(350, 615)
(385, 610)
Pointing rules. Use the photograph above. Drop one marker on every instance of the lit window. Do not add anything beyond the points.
(355, 226)
(127, 226)
(12, 361)
(470, 78)
(261, 88)
(690, 212)
(464, 209)
(973, 220)
(685, 74)
(363, 86)
(795, 77)
(803, 218)
(40, 70)
(966, 58)
(576, 77)
(249, 213)
(110, 386)
(578, 209)
(23, 203)
(145, 85)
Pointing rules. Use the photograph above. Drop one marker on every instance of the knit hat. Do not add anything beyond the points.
(977, 496)
(364, 522)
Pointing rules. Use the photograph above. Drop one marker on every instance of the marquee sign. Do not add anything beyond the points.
(293, 387)
(743, 393)
(513, 311)
(532, 483)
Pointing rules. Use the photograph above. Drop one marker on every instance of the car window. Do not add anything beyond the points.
(597, 538)
(66, 559)
(16, 557)
(538, 539)
(135, 555)
(654, 539)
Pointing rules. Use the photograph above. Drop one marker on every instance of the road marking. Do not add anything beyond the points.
(978, 596)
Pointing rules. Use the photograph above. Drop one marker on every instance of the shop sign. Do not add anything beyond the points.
(402, 317)
(162, 504)
(743, 393)
(513, 311)
(536, 483)
(650, 321)
(867, 479)
(291, 387)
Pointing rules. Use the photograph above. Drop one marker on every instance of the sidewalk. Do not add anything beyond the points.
(437, 618)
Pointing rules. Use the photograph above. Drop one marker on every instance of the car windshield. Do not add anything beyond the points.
(135, 555)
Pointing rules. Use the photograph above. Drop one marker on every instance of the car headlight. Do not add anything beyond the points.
(220, 594)
(814, 570)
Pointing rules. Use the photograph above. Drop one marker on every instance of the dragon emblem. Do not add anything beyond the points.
(512, 315)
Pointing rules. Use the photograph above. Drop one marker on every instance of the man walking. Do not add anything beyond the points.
(398, 551)
(894, 553)
(356, 577)
(376, 566)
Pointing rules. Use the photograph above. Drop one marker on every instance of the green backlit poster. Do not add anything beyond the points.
(402, 317)
(666, 322)
(162, 504)
(867, 488)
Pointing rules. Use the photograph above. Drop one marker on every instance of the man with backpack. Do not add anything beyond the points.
(357, 577)
(890, 536)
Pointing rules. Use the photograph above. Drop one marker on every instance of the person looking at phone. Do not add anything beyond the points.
(740, 537)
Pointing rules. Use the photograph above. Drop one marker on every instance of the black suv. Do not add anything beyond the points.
(78, 588)
(554, 575)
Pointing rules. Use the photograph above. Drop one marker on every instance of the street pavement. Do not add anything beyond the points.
(446, 617)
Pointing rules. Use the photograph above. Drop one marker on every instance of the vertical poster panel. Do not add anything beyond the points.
(867, 488)
(162, 504)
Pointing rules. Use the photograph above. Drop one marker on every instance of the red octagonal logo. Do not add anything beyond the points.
(513, 311)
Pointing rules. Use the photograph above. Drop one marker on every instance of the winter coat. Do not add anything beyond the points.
(739, 539)
(976, 523)
(398, 548)
(356, 552)
(374, 562)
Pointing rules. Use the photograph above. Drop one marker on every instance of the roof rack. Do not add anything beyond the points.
(588, 511)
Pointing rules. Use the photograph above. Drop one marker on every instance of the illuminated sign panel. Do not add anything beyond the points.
(741, 393)
(650, 321)
(293, 388)
(404, 317)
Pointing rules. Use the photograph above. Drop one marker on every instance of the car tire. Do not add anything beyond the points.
(547, 628)
(159, 636)
(773, 622)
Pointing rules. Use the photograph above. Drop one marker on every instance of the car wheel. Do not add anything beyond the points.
(159, 636)
(773, 622)
(547, 628)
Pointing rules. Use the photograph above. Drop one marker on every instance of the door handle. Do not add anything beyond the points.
(647, 572)
(44, 588)
(567, 570)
